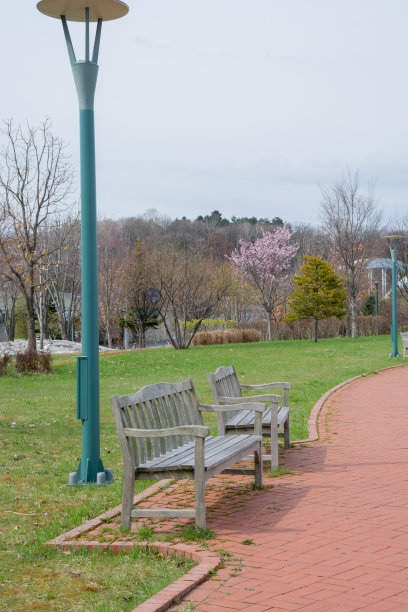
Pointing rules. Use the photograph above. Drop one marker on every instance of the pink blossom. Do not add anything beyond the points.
(266, 259)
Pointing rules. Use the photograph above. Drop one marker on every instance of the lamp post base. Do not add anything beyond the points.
(395, 355)
(104, 477)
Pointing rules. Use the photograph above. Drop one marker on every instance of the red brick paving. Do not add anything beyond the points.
(335, 536)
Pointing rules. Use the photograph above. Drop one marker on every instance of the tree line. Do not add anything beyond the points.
(175, 272)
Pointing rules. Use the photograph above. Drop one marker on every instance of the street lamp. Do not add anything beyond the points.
(393, 244)
(376, 308)
(90, 469)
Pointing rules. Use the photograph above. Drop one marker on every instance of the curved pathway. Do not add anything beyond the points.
(333, 536)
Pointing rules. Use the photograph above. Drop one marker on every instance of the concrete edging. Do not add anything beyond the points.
(207, 561)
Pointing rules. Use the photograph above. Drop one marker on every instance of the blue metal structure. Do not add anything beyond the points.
(393, 244)
(376, 308)
(90, 469)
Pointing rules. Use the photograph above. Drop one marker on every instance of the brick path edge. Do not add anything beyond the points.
(207, 561)
(312, 424)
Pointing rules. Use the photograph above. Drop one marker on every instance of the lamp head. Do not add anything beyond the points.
(392, 240)
(74, 10)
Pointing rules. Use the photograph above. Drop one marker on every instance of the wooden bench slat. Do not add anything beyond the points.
(159, 443)
(125, 417)
(173, 441)
(140, 443)
(162, 513)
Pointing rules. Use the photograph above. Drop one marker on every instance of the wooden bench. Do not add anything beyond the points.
(162, 436)
(226, 389)
(404, 338)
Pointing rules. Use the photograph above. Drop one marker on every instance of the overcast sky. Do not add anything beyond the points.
(245, 106)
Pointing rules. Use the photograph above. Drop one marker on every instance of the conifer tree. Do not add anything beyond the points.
(319, 293)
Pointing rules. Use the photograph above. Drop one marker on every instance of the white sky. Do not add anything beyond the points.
(244, 106)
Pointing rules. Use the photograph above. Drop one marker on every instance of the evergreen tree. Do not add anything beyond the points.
(368, 307)
(319, 293)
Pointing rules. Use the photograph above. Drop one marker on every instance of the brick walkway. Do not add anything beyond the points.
(334, 536)
(330, 536)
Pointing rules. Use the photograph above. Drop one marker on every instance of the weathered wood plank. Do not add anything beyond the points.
(162, 513)
(200, 431)
(235, 452)
(138, 423)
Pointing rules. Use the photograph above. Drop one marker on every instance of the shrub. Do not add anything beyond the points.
(26, 362)
(29, 361)
(4, 361)
(251, 335)
(44, 363)
(228, 336)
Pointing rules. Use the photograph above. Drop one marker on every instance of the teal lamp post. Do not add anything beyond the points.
(393, 244)
(376, 308)
(90, 469)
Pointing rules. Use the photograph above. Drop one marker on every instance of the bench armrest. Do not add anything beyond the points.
(257, 408)
(275, 399)
(274, 385)
(199, 431)
(232, 406)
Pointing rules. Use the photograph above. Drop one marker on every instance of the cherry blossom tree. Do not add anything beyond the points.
(265, 264)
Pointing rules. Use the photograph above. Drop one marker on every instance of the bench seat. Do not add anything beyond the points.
(245, 419)
(218, 449)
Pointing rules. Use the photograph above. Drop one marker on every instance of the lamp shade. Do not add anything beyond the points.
(74, 10)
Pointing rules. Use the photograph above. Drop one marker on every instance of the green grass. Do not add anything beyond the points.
(40, 442)
(281, 471)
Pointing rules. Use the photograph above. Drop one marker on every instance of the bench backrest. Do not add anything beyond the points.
(404, 337)
(224, 383)
(159, 406)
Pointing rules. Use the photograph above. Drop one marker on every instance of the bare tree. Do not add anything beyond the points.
(189, 286)
(9, 296)
(350, 222)
(64, 270)
(140, 296)
(399, 227)
(35, 183)
(111, 258)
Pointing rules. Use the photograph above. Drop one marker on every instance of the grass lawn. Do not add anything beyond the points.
(40, 443)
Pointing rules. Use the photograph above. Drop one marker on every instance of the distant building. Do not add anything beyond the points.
(385, 265)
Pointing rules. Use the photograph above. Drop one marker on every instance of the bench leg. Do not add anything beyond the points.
(258, 468)
(127, 498)
(286, 433)
(274, 438)
(199, 484)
